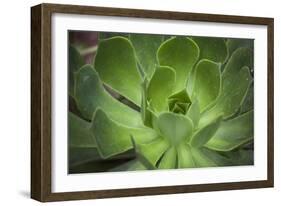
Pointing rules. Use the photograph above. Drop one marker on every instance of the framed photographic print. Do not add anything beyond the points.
(132, 102)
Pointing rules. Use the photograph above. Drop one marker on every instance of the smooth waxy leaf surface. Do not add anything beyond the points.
(236, 79)
(248, 102)
(146, 46)
(148, 116)
(83, 160)
(133, 165)
(207, 83)
(234, 91)
(185, 159)
(90, 94)
(151, 152)
(161, 87)
(194, 113)
(113, 138)
(217, 158)
(231, 97)
(241, 57)
(96, 166)
(203, 135)
(181, 96)
(196, 99)
(75, 61)
(233, 133)
(175, 127)
(81, 155)
(212, 48)
(180, 108)
(181, 54)
(233, 44)
(179, 101)
(200, 159)
(240, 157)
(189, 157)
(169, 159)
(145, 113)
(115, 59)
(79, 132)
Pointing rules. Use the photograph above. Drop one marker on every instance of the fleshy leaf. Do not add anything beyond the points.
(200, 159)
(180, 98)
(212, 48)
(185, 159)
(175, 127)
(181, 54)
(169, 159)
(234, 44)
(184, 106)
(133, 165)
(145, 112)
(177, 109)
(160, 87)
(233, 133)
(117, 67)
(215, 157)
(202, 136)
(241, 57)
(79, 132)
(113, 138)
(207, 82)
(189, 157)
(231, 97)
(90, 94)
(175, 104)
(81, 155)
(234, 91)
(95, 166)
(151, 152)
(180, 107)
(146, 46)
(88, 160)
(194, 113)
(75, 61)
(241, 157)
(248, 102)
(236, 79)
(172, 102)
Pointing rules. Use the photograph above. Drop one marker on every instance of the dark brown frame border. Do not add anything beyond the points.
(41, 101)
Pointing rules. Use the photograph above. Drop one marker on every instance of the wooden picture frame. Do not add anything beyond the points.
(41, 97)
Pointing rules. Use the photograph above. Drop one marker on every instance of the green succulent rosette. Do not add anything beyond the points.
(190, 104)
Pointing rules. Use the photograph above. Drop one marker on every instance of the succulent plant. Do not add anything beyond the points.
(186, 102)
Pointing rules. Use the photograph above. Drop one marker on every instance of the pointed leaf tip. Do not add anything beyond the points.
(113, 138)
(202, 136)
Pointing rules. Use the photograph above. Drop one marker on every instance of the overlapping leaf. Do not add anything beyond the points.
(90, 95)
(116, 56)
(195, 97)
(180, 53)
